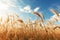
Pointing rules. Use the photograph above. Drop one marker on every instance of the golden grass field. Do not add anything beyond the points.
(16, 29)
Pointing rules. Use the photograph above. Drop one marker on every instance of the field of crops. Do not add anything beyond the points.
(14, 28)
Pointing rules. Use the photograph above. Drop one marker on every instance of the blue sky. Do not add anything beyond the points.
(44, 6)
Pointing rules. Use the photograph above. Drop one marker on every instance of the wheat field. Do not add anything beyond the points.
(14, 28)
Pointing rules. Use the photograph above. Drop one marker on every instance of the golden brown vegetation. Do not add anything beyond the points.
(15, 29)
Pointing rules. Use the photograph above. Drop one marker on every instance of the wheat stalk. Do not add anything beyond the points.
(40, 15)
(54, 12)
(12, 32)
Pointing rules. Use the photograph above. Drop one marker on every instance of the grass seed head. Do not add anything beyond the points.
(54, 12)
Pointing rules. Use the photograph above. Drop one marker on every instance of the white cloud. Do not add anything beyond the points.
(10, 3)
(28, 9)
(36, 9)
(22, 10)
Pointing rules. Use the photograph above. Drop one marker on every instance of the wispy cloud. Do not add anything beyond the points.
(10, 3)
(28, 9)
(36, 9)
(8, 6)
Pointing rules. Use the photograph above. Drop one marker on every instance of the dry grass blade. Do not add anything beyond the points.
(40, 15)
(49, 22)
(55, 19)
(54, 12)
(20, 20)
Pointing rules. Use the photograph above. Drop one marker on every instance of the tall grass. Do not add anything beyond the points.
(15, 29)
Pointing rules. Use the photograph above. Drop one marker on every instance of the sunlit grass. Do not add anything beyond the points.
(14, 28)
